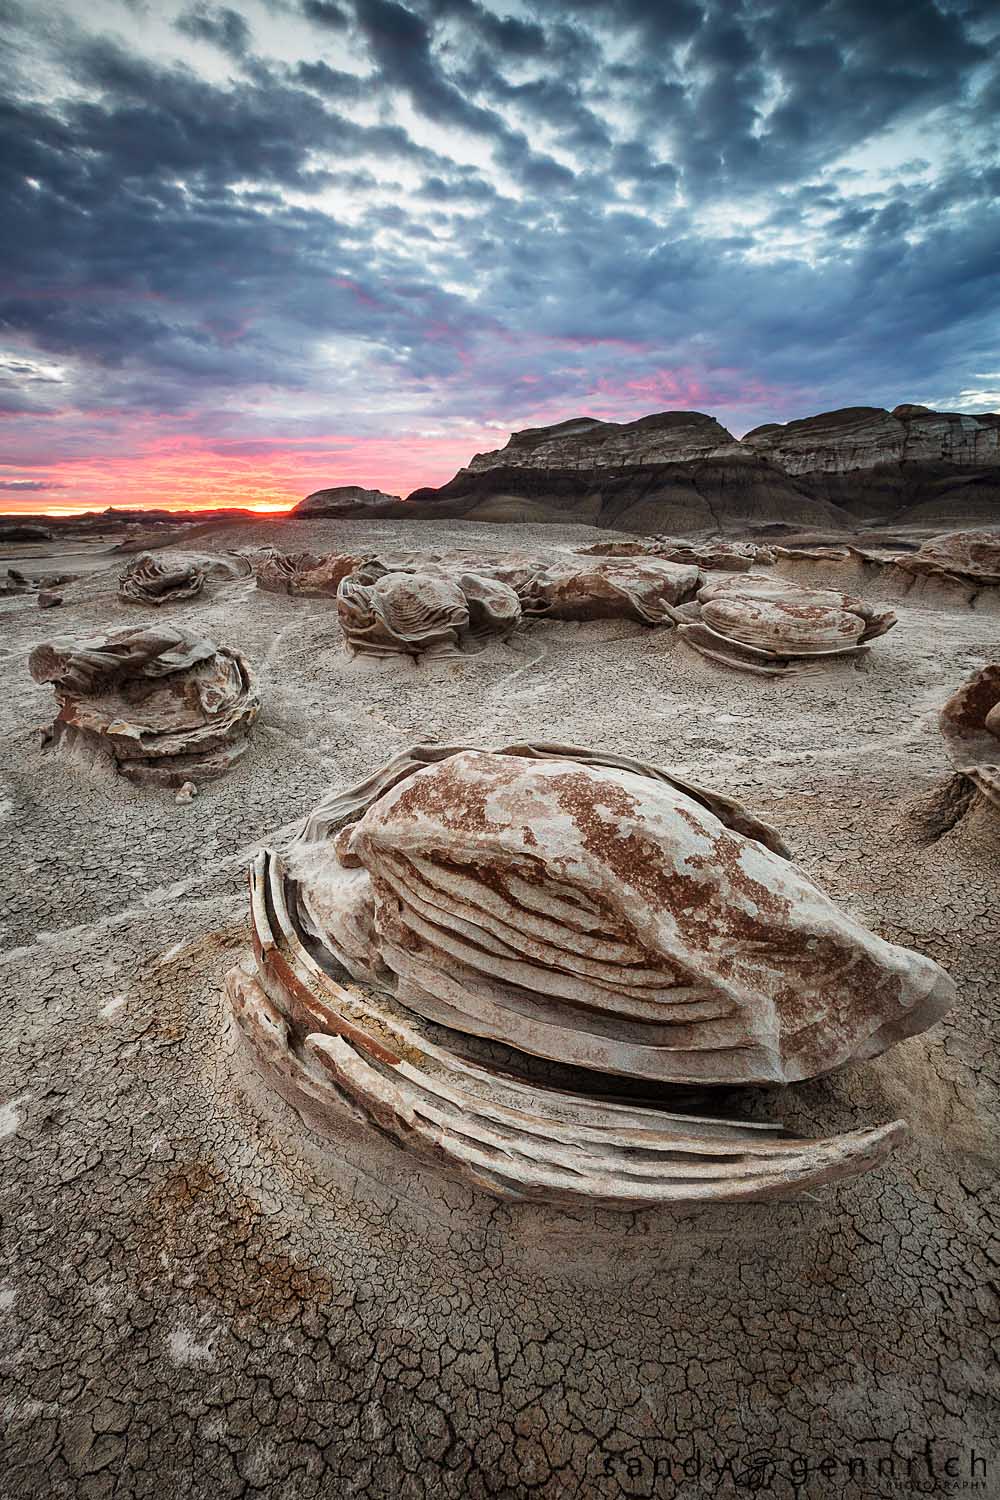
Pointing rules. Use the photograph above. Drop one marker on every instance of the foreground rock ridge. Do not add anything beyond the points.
(571, 906)
(683, 471)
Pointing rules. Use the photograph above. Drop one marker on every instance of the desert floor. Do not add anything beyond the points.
(198, 1298)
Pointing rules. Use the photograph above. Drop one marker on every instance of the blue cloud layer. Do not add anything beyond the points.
(417, 216)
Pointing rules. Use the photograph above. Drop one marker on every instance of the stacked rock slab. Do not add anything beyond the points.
(157, 581)
(435, 931)
(166, 706)
(309, 574)
(171, 577)
(967, 556)
(729, 557)
(970, 724)
(772, 626)
(425, 614)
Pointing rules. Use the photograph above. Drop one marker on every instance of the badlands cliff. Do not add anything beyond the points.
(684, 473)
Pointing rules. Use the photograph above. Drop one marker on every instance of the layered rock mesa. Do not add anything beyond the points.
(683, 472)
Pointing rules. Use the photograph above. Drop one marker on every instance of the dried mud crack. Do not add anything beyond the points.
(197, 1298)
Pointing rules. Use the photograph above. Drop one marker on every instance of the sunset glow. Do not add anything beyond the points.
(254, 252)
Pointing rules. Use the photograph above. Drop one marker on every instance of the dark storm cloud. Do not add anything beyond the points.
(604, 191)
(217, 24)
(325, 13)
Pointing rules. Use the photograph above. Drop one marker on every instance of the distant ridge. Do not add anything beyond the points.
(682, 472)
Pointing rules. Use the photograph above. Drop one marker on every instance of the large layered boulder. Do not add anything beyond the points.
(160, 578)
(969, 556)
(162, 704)
(306, 574)
(157, 581)
(425, 614)
(772, 626)
(437, 929)
(647, 589)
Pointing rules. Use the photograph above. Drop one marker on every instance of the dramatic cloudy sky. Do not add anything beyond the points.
(250, 250)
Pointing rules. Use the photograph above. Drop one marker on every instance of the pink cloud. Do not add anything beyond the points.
(186, 472)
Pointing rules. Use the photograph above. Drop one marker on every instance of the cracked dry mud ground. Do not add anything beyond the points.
(198, 1299)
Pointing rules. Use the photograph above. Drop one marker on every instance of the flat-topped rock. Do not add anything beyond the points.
(586, 443)
(348, 500)
(863, 437)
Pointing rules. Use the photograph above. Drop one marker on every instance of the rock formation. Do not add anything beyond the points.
(345, 500)
(444, 603)
(771, 625)
(970, 724)
(683, 473)
(151, 580)
(716, 553)
(965, 556)
(863, 437)
(464, 912)
(23, 531)
(309, 574)
(166, 705)
(585, 443)
(169, 577)
(14, 583)
(425, 614)
(631, 588)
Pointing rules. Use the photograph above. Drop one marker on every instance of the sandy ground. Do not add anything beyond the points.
(198, 1298)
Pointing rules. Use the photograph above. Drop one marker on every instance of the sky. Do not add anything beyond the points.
(254, 250)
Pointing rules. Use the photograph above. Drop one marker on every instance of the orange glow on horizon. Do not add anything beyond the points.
(266, 475)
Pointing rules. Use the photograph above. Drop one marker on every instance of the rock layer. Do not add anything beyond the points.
(862, 437)
(165, 705)
(585, 443)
